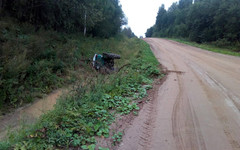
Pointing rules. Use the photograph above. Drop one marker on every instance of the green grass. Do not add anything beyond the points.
(91, 107)
(34, 63)
(230, 50)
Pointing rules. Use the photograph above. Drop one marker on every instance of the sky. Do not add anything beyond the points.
(141, 14)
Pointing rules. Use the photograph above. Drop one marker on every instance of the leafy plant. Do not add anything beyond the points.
(101, 148)
(117, 138)
(89, 147)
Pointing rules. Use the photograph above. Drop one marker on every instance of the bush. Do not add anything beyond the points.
(222, 43)
(31, 63)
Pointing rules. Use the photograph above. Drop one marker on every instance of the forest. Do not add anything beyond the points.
(201, 21)
(101, 18)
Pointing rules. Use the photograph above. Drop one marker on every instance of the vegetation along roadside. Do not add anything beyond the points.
(229, 50)
(88, 111)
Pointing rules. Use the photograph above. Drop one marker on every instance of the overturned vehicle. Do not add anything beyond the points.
(105, 62)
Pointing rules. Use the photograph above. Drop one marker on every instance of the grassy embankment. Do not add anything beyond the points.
(45, 60)
(214, 47)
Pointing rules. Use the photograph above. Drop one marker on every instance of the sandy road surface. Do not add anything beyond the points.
(197, 109)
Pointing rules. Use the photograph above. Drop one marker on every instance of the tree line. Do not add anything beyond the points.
(199, 21)
(127, 31)
(95, 17)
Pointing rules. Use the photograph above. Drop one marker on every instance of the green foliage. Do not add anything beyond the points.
(101, 148)
(32, 63)
(113, 18)
(4, 145)
(101, 18)
(201, 21)
(212, 47)
(149, 32)
(117, 137)
(128, 32)
(185, 3)
(95, 101)
(89, 147)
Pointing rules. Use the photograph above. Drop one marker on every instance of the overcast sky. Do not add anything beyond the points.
(142, 14)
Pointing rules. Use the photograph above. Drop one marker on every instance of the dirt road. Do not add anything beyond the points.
(196, 108)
